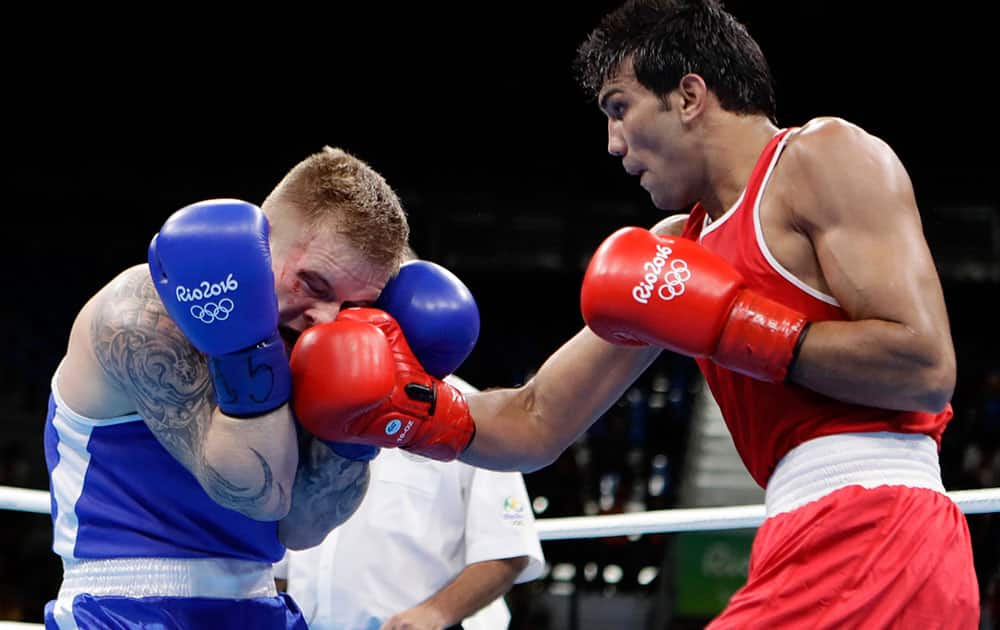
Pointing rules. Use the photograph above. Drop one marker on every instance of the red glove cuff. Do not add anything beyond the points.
(449, 432)
(761, 338)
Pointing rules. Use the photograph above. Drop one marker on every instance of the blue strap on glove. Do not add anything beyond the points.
(211, 265)
(349, 450)
(252, 381)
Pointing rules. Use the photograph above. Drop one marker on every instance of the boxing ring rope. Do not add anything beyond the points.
(24, 500)
(708, 519)
(981, 501)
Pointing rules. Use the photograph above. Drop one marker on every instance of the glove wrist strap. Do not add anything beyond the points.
(254, 381)
(760, 338)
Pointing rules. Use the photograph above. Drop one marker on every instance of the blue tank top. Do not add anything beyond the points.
(116, 492)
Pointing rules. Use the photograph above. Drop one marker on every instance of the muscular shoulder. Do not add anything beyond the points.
(830, 160)
(130, 286)
(140, 348)
(141, 351)
(827, 146)
(127, 312)
(827, 141)
(91, 379)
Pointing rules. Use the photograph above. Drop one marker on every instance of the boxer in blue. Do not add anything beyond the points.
(177, 469)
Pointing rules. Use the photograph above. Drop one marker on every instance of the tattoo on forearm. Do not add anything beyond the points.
(139, 346)
(328, 490)
(242, 496)
(333, 486)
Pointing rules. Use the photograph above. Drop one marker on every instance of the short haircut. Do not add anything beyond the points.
(333, 184)
(667, 39)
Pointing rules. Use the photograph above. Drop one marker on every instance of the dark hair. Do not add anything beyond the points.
(667, 39)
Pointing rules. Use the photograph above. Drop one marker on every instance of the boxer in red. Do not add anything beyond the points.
(805, 290)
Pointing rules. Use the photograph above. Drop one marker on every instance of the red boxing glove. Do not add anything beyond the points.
(643, 289)
(356, 380)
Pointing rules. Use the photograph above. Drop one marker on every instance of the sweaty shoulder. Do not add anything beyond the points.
(829, 156)
(825, 142)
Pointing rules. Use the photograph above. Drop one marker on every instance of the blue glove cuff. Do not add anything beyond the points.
(357, 452)
(254, 381)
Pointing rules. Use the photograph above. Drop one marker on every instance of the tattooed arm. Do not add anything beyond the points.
(244, 464)
(328, 489)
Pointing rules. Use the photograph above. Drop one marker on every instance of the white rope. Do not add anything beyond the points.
(24, 500)
(654, 522)
(708, 519)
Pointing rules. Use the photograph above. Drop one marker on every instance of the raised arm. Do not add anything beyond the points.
(243, 464)
(527, 428)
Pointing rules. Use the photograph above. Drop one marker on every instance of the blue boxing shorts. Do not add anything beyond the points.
(171, 593)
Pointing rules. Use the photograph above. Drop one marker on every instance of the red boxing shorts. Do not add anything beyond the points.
(888, 556)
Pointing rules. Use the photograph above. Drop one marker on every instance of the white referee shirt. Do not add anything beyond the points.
(420, 524)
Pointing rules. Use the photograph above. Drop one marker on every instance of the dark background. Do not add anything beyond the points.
(471, 114)
(112, 121)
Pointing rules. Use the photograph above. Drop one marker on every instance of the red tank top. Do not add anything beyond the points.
(767, 420)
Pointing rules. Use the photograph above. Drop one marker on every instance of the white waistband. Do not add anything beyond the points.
(167, 577)
(816, 468)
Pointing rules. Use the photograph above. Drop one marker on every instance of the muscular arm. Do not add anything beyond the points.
(854, 201)
(528, 428)
(476, 586)
(244, 464)
(328, 489)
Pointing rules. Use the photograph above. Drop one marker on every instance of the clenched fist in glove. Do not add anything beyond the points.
(211, 264)
(673, 293)
(356, 381)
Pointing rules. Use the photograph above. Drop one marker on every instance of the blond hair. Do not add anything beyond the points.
(333, 184)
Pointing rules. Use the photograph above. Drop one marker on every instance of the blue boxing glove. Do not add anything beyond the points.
(437, 313)
(211, 264)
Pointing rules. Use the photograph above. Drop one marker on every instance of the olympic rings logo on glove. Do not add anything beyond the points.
(674, 279)
(212, 311)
